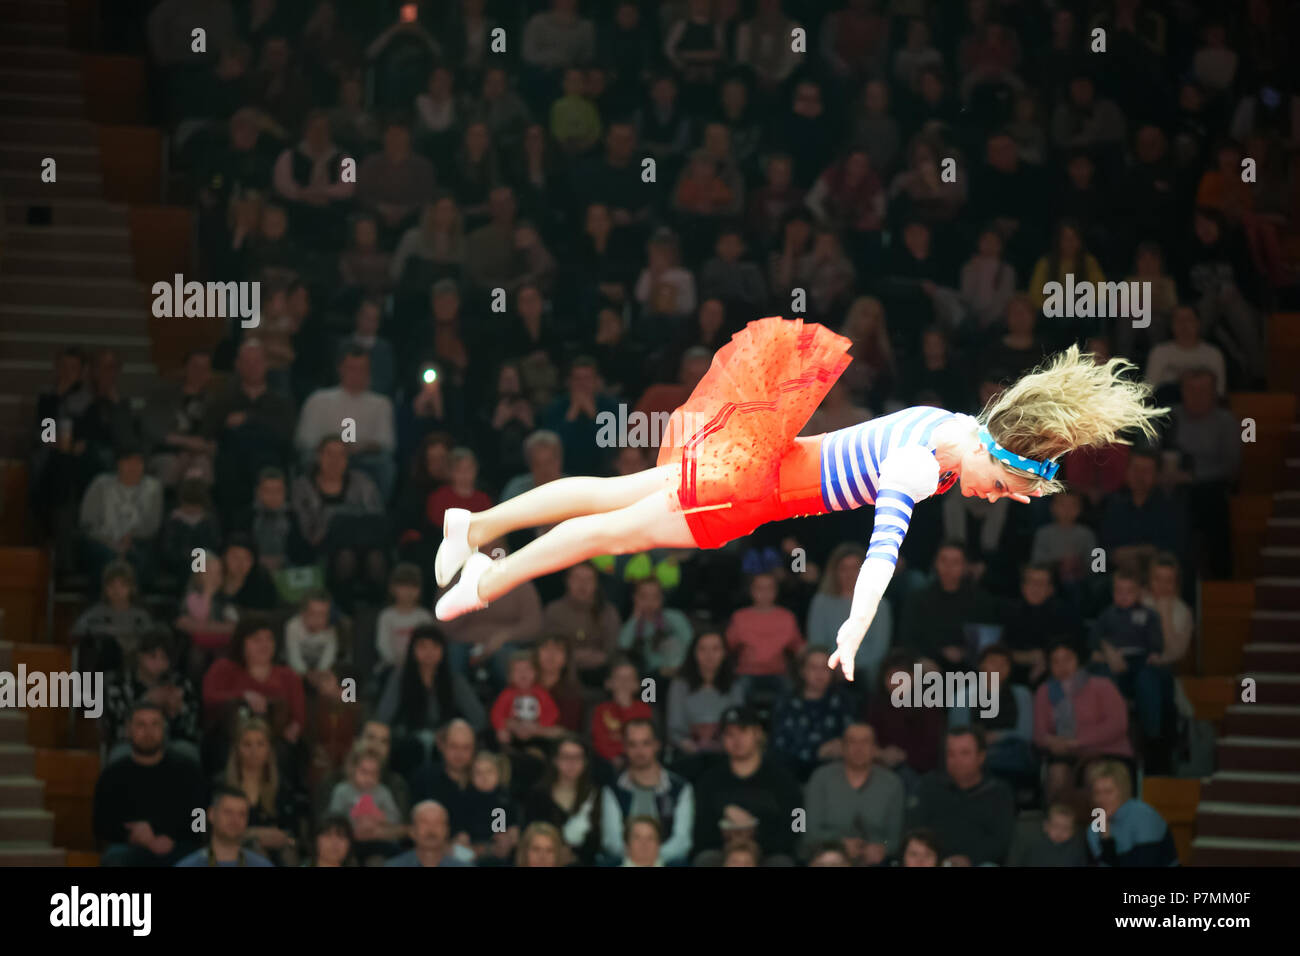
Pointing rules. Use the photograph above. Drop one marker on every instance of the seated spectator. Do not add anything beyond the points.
(460, 491)
(106, 424)
(542, 845)
(312, 645)
(524, 711)
(807, 724)
(1031, 621)
(308, 177)
(908, 740)
(575, 121)
(398, 620)
(364, 268)
(609, 717)
(228, 818)
(151, 677)
(252, 427)
(663, 267)
(369, 805)
(275, 817)
(273, 525)
(191, 526)
(1207, 439)
(362, 417)
(340, 513)
(1127, 643)
(120, 515)
(1069, 256)
(555, 675)
(700, 694)
(1057, 844)
(111, 628)
(832, 854)
(1176, 621)
(855, 802)
(1065, 547)
(972, 812)
(828, 275)
(334, 842)
(489, 806)
(588, 621)
(988, 281)
(874, 372)
(764, 636)
(365, 336)
(1185, 352)
(447, 778)
(144, 803)
(1076, 716)
(749, 790)
(435, 249)
(850, 197)
(1132, 832)
(1140, 518)
(569, 799)
(647, 789)
(430, 832)
(643, 842)
(173, 423)
(935, 616)
(250, 682)
(246, 584)
(920, 848)
(774, 201)
(1020, 350)
(423, 694)
(1008, 728)
(830, 609)
(728, 278)
(656, 637)
(395, 183)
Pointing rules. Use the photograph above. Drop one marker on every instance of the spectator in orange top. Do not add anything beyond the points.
(609, 717)
(762, 635)
(460, 492)
(701, 191)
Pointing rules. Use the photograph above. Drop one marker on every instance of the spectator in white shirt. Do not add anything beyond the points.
(362, 418)
(1186, 351)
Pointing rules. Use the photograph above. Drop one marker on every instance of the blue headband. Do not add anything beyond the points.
(1040, 469)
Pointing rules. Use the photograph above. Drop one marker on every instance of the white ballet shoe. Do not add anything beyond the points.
(464, 598)
(455, 549)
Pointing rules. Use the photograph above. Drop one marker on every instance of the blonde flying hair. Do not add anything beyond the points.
(1070, 402)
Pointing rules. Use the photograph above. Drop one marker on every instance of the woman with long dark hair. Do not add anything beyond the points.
(700, 693)
(421, 696)
(569, 798)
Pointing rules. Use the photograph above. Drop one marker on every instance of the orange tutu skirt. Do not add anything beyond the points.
(735, 437)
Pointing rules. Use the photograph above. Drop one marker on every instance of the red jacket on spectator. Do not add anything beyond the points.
(514, 702)
(226, 681)
(446, 497)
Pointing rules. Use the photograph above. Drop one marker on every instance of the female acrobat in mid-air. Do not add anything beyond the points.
(732, 462)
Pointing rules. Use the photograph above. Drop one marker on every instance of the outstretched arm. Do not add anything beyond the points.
(907, 476)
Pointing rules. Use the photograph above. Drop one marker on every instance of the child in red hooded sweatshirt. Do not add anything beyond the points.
(609, 718)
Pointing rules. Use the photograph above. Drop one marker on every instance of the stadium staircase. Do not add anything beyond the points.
(1247, 812)
(77, 258)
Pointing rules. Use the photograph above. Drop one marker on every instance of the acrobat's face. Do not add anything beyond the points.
(984, 477)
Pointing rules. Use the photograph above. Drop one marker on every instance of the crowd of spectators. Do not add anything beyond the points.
(447, 327)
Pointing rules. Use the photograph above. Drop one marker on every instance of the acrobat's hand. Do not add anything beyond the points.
(847, 642)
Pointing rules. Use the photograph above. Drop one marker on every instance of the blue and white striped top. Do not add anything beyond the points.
(888, 462)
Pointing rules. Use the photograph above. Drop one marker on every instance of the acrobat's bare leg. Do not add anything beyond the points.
(567, 498)
(650, 523)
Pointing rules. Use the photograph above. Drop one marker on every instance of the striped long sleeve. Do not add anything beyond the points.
(908, 474)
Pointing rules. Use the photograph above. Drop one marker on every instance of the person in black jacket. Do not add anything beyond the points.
(747, 791)
(144, 802)
(972, 813)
